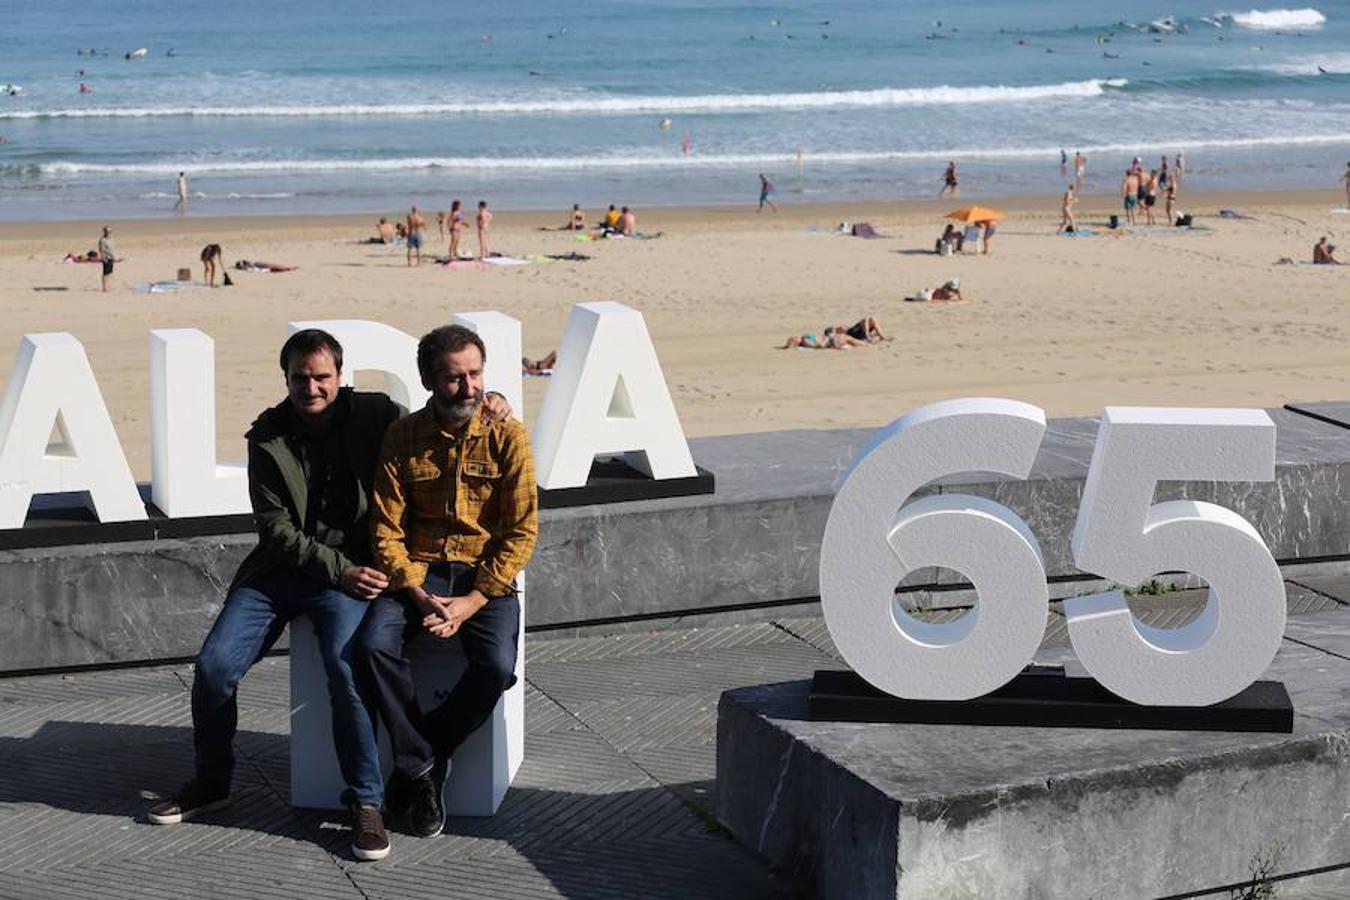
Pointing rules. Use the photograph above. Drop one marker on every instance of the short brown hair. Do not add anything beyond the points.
(447, 339)
(310, 340)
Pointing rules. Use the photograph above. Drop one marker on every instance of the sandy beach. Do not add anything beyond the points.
(1149, 316)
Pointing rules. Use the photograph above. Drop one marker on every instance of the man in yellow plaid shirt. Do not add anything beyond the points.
(454, 518)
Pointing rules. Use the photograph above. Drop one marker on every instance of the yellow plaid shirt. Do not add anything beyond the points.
(468, 498)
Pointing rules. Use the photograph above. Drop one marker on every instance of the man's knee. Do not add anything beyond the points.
(217, 670)
(499, 666)
(377, 638)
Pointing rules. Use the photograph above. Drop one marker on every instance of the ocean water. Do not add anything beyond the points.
(334, 106)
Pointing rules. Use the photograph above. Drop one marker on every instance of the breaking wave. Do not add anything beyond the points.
(710, 103)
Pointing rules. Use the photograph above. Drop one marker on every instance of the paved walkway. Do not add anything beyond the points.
(615, 798)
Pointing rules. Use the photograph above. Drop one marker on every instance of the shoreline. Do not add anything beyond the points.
(674, 215)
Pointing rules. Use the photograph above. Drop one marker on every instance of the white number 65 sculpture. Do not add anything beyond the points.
(1120, 535)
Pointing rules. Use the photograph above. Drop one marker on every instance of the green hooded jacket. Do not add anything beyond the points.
(279, 494)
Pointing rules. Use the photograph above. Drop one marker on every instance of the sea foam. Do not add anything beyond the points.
(612, 105)
(669, 161)
(1277, 19)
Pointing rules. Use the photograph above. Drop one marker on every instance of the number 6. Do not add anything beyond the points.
(868, 548)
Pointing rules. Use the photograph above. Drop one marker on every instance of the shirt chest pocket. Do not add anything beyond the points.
(480, 477)
(426, 490)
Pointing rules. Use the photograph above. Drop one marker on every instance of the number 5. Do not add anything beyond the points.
(1121, 535)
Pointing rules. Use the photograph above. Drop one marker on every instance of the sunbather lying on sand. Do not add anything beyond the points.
(245, 265)
(89, 256)
(949, 291)
(865, 329)
(538, 367)
(831, 339)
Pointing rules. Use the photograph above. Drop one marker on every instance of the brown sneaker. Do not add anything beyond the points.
(192, 798)
(369, 840)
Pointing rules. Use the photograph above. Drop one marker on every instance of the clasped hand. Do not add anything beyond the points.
(444, 615)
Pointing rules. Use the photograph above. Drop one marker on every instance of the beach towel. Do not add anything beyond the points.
(1082, 232)
(460, 264)
(506, 261)
(569, 257)
(866, 231)
(1232, 214)
(164, 287)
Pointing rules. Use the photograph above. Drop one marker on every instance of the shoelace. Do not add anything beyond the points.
(368, 820)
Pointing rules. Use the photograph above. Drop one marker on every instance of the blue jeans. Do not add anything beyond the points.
(489, 639)
(250, 622)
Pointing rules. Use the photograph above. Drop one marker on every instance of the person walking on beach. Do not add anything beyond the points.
(1079, 168)
(1180, 167)
(416, 224)
(1164, 175)
(484, 220)
(456, 226)
(1171, 207)
(181, 206)
(1346, 179)
(765, 192)
(1129, 192)
(1066, 205)
(949, 181)
(1063, 162)
(107, 255)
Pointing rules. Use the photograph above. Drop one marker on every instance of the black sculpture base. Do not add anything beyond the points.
(56, 520)
(1044, 697)
(614, 481)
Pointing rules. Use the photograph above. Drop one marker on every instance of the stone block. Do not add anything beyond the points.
(897, 811)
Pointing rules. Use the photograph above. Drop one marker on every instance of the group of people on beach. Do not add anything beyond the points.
(1140, 189)
(412, 231)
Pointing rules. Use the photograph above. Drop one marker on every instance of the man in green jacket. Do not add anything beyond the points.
(311, 462)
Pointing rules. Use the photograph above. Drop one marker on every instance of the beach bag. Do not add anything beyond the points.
(1184, 221)
(1115, 222)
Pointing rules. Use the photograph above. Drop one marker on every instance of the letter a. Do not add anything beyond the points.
(52, 385)
(608, 395)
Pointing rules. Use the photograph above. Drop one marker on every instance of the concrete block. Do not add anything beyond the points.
(898, 811)
(482, 769)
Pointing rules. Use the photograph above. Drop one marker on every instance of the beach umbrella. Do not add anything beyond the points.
(975, 214)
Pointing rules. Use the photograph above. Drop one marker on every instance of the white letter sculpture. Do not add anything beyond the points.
(52, 385)
(377, 347)
(607, 396)
(185, 478)
(1122, 535)
(501, 338)
(868, 549)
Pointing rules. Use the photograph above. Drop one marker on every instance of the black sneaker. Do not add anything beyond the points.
(192, 798)
(425, 813)
(369, 840)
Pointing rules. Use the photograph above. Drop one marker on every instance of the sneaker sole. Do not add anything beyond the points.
(186, 815)
(432, 834)
(369, 855)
